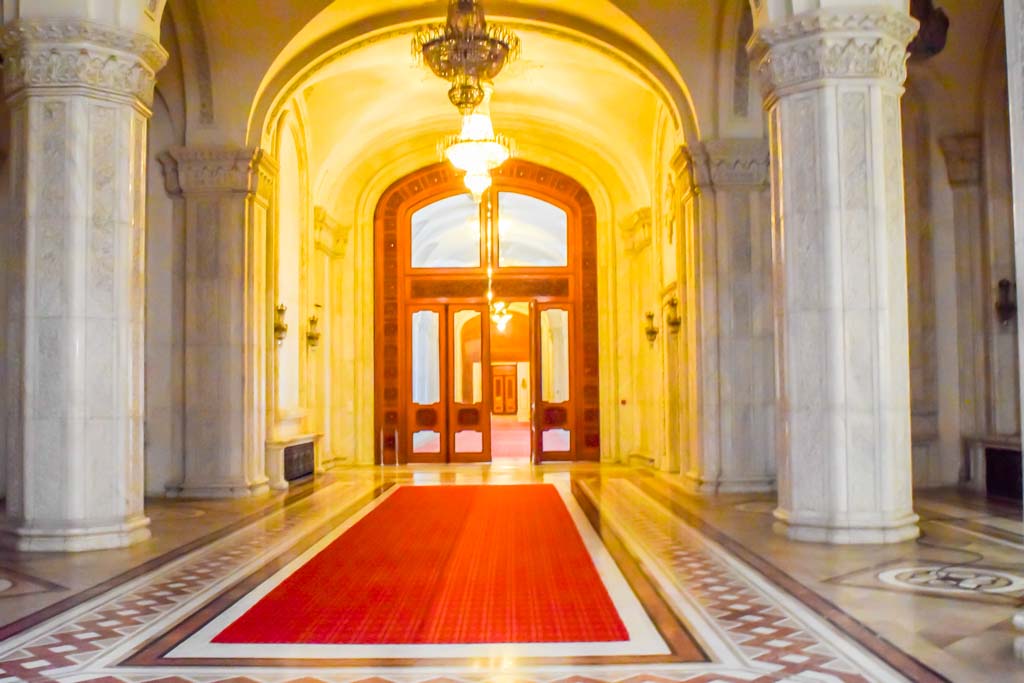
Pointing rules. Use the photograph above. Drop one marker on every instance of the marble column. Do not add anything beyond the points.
(833, 79)
(1014, 10)
(79, 96)
(963, 164)
(227, 194)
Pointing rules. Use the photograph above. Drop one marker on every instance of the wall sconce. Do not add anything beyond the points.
(672, 318)
(650, 330)
(1006, 303)
(312, 333)
(280, 326)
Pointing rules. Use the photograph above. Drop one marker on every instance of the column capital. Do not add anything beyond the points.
(692, 166)
(738, 162)
(218, 170)
(854, 43)
(637, 229)
(331, 234)
(726, 163)
(963, 159)
(68, 53)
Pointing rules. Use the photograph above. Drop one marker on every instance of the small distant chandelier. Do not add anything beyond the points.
(477, 149)
(469, 53)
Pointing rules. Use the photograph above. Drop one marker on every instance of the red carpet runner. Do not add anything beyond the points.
(444, 564)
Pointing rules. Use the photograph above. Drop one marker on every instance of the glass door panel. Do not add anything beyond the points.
(470, 375)
(426, 358)
(554, 355)
(531, 232)
(556, 410)
(446, 234)
(426, 368)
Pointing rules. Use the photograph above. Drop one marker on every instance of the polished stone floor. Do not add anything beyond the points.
(761, 608)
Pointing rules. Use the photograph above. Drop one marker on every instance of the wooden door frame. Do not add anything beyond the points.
(395, 288)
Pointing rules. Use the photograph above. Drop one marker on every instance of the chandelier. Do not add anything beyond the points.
(466, 51)
(469, 53)
(477, 149)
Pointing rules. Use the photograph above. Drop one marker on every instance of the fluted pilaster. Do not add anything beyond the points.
(737, 370)
(227, 193)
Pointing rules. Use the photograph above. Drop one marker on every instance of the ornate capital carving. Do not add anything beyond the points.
(692, 167)
(738, 162)
(724, 163)
(49, 53)
(636, 230)
(963, 159)
(825, 44)
(330, 235)
(216, 170)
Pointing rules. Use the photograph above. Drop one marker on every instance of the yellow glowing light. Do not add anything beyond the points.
(501, 315)
(477, 183)
(477, 150)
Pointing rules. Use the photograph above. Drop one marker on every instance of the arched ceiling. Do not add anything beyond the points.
(255, 49)
(375, 106)
(581, 102)
(600, 22)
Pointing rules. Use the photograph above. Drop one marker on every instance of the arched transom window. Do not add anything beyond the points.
(529, 233)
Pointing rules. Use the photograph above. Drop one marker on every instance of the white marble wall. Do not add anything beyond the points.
(327, 374)
(641, 360)
(165, 318)
(963, 161)
(226, 193)
(75, 332)
(1015, 70)
(1004, 391)
(833, 81)
(922, 310)
(701, 457)
(346, 387)
(5, 238)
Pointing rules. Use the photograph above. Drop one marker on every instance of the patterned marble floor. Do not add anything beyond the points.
(760, 608)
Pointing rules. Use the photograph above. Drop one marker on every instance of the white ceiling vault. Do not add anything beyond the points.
(603, 88)
(372, 115)
(595, 95)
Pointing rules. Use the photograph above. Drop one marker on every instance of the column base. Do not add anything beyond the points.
(187, 490)
(330, 463)
(852, 530)
(69, 537)
(699, 486)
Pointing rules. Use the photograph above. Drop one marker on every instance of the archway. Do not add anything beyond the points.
(368, 123)
(425, 293)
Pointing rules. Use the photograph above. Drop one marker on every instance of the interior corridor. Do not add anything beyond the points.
(511, 341)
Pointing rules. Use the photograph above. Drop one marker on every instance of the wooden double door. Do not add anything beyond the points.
(505, 389)
(435, 249)
(456, 378)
